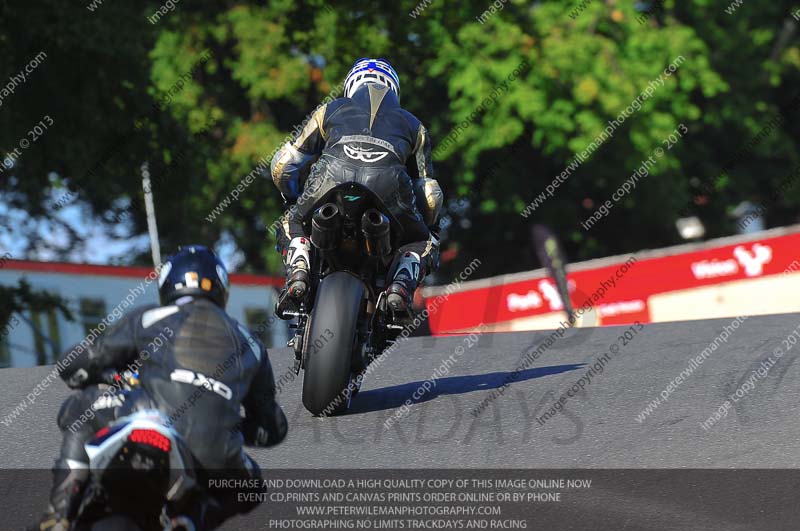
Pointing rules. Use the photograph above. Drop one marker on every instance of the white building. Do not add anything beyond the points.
(94, 291)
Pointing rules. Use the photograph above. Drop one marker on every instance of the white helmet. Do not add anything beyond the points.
(371, 71)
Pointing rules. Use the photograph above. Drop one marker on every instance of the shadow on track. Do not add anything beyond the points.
(396, 395)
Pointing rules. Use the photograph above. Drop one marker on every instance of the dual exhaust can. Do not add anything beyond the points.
(375, 227)
(326, 227)
(326, 230)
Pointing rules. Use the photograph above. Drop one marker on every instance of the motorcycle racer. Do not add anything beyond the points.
(197, 337)
(364, 137)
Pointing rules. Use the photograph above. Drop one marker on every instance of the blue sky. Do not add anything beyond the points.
(105, 243)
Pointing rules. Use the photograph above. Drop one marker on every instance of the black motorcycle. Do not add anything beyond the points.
(137, 466)
(143, 476)
(344, 323)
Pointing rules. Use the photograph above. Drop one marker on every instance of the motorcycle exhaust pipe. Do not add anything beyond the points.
(326, 227)
(375, 227)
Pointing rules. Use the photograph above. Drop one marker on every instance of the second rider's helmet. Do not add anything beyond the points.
(194, 270)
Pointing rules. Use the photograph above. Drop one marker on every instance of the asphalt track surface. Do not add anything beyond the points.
(596, 429)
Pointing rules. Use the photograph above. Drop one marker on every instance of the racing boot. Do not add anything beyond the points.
(400, 292)
(298, 263)
(68, 487)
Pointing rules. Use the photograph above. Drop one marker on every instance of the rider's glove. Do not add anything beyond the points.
(271, 431)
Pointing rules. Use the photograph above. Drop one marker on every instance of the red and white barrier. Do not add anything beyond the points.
(743, 275)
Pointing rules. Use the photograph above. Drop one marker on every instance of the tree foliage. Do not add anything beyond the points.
(271, 63)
